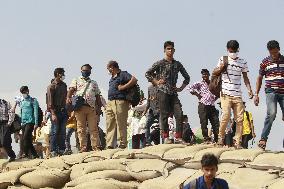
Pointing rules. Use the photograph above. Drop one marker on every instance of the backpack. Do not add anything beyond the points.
(215, 85)
(133, 95)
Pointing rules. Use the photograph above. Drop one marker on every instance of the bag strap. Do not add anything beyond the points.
(226, 62)
(87, 86)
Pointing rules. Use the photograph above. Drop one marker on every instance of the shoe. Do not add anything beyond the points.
(148, 144)
(67, 152)
(96, 149)
(122, 146)
(53, 154)
(168, 141)
(83, 149)
(179, 141)
(12, 159)
(109, 147)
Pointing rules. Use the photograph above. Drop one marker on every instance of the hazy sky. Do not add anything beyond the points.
(38, 36)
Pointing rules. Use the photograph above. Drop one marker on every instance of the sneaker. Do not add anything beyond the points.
(12, 159)
(168, 141)
(220, 142)
(96, 149)
(84, 149)
(53, 154)
(109, 147)
(122, 146)
(67, 152)
(179, 141)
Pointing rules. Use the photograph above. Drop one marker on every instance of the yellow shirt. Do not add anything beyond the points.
(72, 124)
(246, 126)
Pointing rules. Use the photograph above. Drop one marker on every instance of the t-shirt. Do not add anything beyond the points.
(246, 126)
(121, 78)
(231, 85)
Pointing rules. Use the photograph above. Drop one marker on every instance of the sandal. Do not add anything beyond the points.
(262, 144)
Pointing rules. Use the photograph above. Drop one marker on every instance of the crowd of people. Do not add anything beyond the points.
(157, 118)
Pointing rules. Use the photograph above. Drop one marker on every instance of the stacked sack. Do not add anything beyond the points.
(165, 166)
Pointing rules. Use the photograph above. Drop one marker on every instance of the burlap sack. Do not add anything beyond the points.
(9, 166)
(56, 163)
(145, 169)
(78, 170)
(107, 184)
(113, 164)
(181, 155)
(101, 155)
(240, 156)
(216, 151)
(32, 163)
(251, 178)
(11, 177)
(54, 178)
(173, 181)
(18, 186)
(3, 162)
(228, 168)
(268, 161)
(114, 174)
(125, 154)
(155, 152)
(75, 158)
(277, 184)
(192, 165)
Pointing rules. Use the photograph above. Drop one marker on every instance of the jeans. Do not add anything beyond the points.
(212, 114)
(170, 104)
(69, 132)
(150, 121)
(271, 103)
(58, 132)
(28, 140)
(138, 141)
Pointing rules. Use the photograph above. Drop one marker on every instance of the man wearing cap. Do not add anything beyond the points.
(206, 106)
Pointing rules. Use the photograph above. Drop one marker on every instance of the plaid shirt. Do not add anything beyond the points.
(5, 112)
(202, 88)
(167, 71)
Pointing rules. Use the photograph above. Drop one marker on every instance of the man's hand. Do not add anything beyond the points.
(250, 93)
(68, 100)
(178, 89)
(253, 135)
(222, 66)
(256, 100)
(121, 87)
(53, 118)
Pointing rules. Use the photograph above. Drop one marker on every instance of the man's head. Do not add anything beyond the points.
(233, 49)
(113, 67)
(274, 49)
(86, 70)
(169, 48)
(24, 91)
(205, 74)
(59, 73)
(209, 163)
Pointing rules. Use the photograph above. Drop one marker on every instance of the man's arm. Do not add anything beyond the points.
(258, 86)
(129, 84)
(194, 90)
(186, 78)
(247, 83)
(35, 106)
(150, 74)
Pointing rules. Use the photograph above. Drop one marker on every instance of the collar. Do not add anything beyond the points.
(57, 82)
(204, 183)
(281, 58)
(165, 60)
(85, 79)
(116, 75)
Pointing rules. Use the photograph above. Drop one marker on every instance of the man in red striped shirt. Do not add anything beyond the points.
(272, 69)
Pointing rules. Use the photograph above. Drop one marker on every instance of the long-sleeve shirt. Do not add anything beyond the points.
(168, 71)
(56, 95)
(202, 88)
(6, 113)
(29, 111)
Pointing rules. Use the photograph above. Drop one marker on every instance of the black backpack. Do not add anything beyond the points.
(133, 95)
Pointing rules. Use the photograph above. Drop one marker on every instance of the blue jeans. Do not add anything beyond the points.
(58, 132)
(150, 121)
(69, 132)
(271, 103)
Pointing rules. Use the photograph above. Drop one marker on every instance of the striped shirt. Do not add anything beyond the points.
(202, 88)
(274, 74)
(231, 85)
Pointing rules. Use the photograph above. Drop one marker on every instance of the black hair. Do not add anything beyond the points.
(273, 45)
(205, 71)
(24, 89)
(209, 160)
(233, 44)
(58, 71)
(87, 65)
(184, 117)
(113, 64)
(169, 43)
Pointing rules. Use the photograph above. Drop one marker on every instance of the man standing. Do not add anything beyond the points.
(6, 119)
(272, 68)
(29, 119)
(232, 67)
(117, 106)
(164, 75)
(152, 109)
(56, 102)
(206, 106)
(90, 111)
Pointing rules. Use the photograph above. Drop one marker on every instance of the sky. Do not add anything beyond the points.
(38, 36)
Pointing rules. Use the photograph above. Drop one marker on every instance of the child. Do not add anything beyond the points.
(209, 167)
(70, 129)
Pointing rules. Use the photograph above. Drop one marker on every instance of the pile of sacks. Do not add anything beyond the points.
(165, 166)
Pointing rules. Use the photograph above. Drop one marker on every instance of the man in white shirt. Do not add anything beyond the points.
(232, 67)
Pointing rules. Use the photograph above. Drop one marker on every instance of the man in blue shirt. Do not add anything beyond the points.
(209, 165)
(29, 115)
